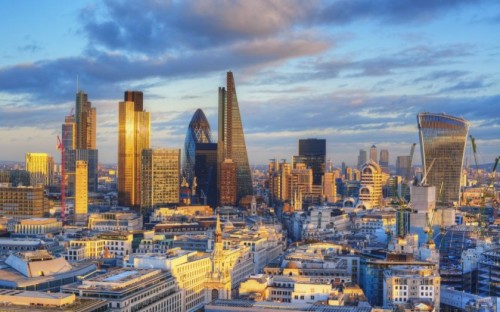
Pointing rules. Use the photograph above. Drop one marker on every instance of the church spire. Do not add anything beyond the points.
(218, 231)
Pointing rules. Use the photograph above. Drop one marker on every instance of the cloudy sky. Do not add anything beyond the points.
(355, 72)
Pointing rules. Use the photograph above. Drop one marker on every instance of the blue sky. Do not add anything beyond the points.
(355, 72)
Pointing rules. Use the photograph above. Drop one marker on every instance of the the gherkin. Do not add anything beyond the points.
(198, 132)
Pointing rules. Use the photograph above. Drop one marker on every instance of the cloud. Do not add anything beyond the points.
(388, 11)
(467, 86)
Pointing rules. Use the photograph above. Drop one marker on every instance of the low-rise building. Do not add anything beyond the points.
(115, 221)
(37, 301)
(190, 268)
(116, 244)
(40, 271)
(37, 226)
(129, 289)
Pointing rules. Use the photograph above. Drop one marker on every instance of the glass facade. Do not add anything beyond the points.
(312, 152)
(133, 137)
(198, 132)
(231, 144)
(442, 143)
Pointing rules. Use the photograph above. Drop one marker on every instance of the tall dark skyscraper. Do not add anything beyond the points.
(312, 152)
(442, 141)
(205, 171)
(231, 144)
(198, 132)
(85, 119)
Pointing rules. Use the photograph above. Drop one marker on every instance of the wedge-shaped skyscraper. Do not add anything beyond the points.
(231, 144)
(442, 143)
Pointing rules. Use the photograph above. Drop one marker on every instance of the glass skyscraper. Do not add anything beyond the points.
(312, 152)
(231, 144)
(133, 137)
(442, 141)
(198, 132)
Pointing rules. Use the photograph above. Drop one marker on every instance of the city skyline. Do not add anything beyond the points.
(440, 59)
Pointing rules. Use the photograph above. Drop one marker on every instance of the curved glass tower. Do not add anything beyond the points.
(198, 132)
(442, 143)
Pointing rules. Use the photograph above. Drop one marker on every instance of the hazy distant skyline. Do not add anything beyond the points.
(354, 72)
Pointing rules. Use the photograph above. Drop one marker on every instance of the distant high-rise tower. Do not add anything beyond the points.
(133, 137)
(442, 141)
(41, 169)
(160, 178)
(81, 193)
(312, 153)
(402, 165)
(231, 144)
(85, 118)
(198, 132)
(362, 158)
(384, 160)
(373, 153)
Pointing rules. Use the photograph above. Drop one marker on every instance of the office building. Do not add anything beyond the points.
(373, 154)
(384, 160)
(85, 119)
(90, 156)
(22, 202)
(442, 144)
(403, 166)
(41, 168)
(15, 177)
(114, 244)
(198, 132)
(405, 283)
(231, 143)
(41, 271)
(37, 226)
(81, 193)
(69, 132)
(362, 158)
(370, 191)
(128, 289)
(115, 221)
(133, 137)
(160, 178)
(228, 183)
(190, 268)
(312, 153)
(39, 301)
(329, 187)
(205, 170)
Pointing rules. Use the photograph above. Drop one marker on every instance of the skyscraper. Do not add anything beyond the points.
(85, 118)
(402, 165)
(81, 193)
(133, 137)
(370, 191)
(41, 169)
(373, 153)
(384, 160)
(231, 144)
(198, 132)
(79, 140)
(442, 142)
(205, 171)
(362, 158)
(159, 177)
(312, 152)
(228, 183)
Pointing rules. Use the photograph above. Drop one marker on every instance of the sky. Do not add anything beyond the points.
(354, 72)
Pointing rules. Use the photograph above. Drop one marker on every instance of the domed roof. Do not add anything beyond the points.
(292, 265)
